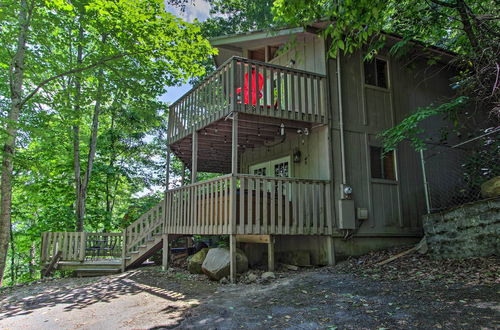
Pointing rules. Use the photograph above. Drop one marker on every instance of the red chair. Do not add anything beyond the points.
(255, 89)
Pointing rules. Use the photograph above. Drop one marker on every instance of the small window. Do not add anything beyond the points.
(257, 54)
(376, 73)
(382, 166)
(273, 51)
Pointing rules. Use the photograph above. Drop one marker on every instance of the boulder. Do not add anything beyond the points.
(491, 188)
(296, 258)
(251, 278)
(196, 260)
(217, 263)
(268, 276)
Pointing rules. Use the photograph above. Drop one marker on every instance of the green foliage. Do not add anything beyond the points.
(131, 51)
(410, 129)
(355, 21)
(467, 27)
(236, 16)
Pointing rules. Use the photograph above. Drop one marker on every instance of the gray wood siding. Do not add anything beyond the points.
(313, 148)
(308, 52)
(393, 207)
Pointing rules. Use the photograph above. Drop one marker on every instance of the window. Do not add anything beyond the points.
(257, 54)
(382, 167)
(281, 170)
(274, 51)
(277, 167)
(260, 171)
(376, 73)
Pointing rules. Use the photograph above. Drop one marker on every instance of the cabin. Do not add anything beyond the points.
(293, 137)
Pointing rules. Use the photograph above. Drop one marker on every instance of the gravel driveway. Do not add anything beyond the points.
(312, 299)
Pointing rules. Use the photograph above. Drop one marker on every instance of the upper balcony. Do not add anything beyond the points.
(252, 87)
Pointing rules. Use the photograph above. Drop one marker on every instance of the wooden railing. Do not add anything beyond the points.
(80, 246)
(253, 87)
(144, 228)
(264, 205)
(200, 208)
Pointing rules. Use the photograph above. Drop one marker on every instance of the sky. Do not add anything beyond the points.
(195, 9)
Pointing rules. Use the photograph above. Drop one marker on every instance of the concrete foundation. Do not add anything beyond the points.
(317, 246)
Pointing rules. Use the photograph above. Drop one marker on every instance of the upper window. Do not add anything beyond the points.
(382, 165)
(376, 73)
(257, 54)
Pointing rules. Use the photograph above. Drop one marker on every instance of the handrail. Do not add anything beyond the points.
(141, 218)
(273, 178)
(219, 178)
(264, 205)
(204, 80)
(78, 246)
(279, 67)
(282, 92)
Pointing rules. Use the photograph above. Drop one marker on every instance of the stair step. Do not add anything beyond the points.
(98, 269)
(134, 252)
(87, 272)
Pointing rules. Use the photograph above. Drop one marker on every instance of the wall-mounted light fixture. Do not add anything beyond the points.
(297, 156)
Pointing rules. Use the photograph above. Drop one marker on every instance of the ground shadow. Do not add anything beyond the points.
(103, 289)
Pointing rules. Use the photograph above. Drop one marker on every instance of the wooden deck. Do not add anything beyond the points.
(262, 206)
(231, 204)
(243, 104)
(252, 87)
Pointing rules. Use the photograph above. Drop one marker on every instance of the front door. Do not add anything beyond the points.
(275, 168)
(280, 167)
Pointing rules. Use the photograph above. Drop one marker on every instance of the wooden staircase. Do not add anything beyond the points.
(93, 254)
(144, 237)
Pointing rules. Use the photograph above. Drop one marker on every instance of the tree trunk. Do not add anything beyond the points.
(16, 88)
(32, 263)
(82, 185)
(468, 28)
(79, 204)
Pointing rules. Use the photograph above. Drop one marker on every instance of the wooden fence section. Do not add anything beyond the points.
(200, 208)
(144, 228)
(80, 246)
(264, 205)
(283, 206)
(253, 87)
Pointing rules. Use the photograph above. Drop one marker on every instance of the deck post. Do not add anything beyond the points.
(167, 183)
(234, 172)
(165, 252)
(183, 174)
(83, 245)
(194, 158)
(270, 254)
(330, 250)
(124, 249)
(232, 255)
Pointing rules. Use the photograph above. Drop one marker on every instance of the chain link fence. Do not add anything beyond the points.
(453, 175)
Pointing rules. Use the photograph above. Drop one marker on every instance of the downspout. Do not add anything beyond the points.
(341, 126)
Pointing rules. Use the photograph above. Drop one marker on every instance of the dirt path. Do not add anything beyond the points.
(148, 298)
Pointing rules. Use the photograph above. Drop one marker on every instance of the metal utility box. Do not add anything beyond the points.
(347, 214)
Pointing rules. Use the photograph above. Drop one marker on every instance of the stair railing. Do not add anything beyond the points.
(144, 228)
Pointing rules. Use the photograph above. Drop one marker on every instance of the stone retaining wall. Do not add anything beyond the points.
(472, 230)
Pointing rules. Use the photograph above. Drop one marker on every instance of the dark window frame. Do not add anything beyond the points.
(382, 167)
(371, 73)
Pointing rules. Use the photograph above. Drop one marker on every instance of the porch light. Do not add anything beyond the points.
(297, 155)
(282, 129)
